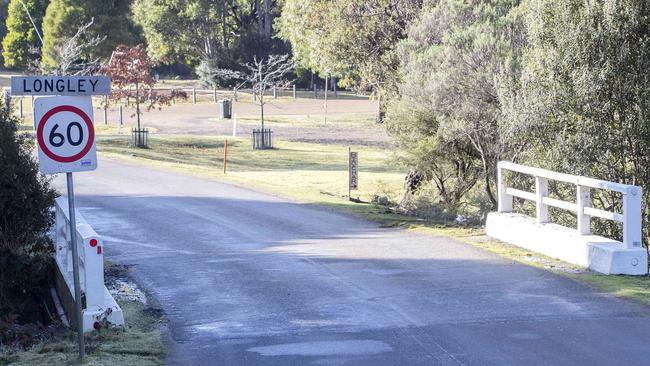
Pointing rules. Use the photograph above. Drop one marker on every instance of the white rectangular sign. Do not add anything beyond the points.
(65, 134)
(60, 85)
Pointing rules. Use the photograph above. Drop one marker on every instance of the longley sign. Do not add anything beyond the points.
(60, 85)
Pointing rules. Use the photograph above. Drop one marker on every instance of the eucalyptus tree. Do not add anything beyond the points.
(448, 117)
(584, 95)
(111, 20)
(23, 39)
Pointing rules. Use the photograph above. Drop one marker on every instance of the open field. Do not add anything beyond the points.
(315, 173)
(348, 121)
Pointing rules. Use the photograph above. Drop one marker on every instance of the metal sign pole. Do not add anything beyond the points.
(75, 267)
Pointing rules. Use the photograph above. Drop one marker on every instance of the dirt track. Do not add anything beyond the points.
(201, 119)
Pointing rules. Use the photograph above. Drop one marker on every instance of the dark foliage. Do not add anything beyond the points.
(26, 199)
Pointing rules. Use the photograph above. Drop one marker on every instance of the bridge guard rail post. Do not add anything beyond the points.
(100, 308)
(575, 245)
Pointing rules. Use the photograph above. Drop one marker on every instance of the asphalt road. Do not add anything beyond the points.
(246, 278)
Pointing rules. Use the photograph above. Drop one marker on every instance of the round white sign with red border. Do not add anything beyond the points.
(65, 134)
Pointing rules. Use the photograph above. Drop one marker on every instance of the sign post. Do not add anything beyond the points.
(353, 172)
(65, 135)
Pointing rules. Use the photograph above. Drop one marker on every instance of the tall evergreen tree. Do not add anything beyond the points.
(3, 25)
(21, 35)
(111, 19)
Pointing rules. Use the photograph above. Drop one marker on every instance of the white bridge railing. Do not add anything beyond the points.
(100, 307)
(632, 196)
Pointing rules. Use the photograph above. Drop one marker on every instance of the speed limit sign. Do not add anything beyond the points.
(65, 134)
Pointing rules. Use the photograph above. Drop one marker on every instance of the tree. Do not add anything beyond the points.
(25, 220)
(219, 33)
(22, 34)
(583, 97)
(130, 70)
(3, 25)
(268, 72)
(452, 62)
(68, 57)
(111, 20)
(349, 37)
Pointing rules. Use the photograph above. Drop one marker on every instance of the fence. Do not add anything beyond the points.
(631, 216)
(98, 305)
(262, 138)
(140, 137)
(602, 254)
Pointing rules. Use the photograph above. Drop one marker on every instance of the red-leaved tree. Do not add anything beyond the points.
(130, 70)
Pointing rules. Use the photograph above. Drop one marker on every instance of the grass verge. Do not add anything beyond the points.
(139, 343)
(317, 174)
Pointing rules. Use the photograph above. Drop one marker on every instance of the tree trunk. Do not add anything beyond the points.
(137, 103)
(325, 105)
(267, 19)
(262, 107)
(260, 16)
(380, 119)
(223, 25)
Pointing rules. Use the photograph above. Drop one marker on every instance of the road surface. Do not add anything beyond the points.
(246, 278)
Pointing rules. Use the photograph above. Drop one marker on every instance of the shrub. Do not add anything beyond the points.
(26, 199)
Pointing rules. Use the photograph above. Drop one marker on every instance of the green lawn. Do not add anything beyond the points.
(314, 173)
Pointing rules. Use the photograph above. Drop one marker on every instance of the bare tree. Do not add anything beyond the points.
(69, 55)
(268, 72)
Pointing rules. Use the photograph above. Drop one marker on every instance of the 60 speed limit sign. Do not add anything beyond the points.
(65, 134)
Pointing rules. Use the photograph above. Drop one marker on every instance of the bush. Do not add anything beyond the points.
(26, 199)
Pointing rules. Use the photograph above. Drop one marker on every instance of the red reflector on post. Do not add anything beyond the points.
(93, 242)
(99, 250)
(97, 325)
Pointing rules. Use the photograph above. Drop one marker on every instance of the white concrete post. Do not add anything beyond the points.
(93, 271)
(234, 125)
(541, 188)
(294, 91)
(105, 109)
(505, 200)
(193, 95)
(583, 199)
(275, 93)
(632, 216)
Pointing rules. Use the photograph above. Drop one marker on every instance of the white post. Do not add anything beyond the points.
(505, 200)
(119, 121)
(541, 188)
(583, 199)
(94, 272)
(275, 93)
(632, 217)
(294, 91)
(105, 109)
(193, 95)
(234, 125)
